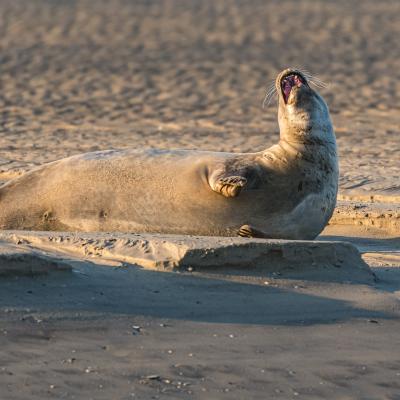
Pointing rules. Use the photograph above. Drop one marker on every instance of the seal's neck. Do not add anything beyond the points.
(303, 129)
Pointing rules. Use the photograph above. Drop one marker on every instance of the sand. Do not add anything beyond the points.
(83, 76)
(103, 331)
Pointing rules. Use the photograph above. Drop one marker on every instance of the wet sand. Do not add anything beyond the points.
(84, 76)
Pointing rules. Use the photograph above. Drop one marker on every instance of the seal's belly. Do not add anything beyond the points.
(186, 206)
(203, 212)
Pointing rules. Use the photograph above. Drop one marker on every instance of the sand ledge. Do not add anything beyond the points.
(318, 260)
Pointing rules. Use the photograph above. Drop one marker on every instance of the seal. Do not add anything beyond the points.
(287, 191)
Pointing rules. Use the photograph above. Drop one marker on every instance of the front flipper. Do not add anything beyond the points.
(229, 186)
(234, 175)
(250, 232)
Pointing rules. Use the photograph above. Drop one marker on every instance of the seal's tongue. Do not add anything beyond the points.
(288, 82)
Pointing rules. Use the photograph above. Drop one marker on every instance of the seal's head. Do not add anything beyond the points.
(303, 114)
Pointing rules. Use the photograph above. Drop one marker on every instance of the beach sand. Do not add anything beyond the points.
(84, 76)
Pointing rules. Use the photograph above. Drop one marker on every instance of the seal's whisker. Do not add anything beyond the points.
(301, 68)
(270, 88)
(307, 74)
(313, 78)
(268, 99)
(318, 82)
(271, 92)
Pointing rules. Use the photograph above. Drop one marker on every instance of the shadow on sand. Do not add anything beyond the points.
(107, 291)
(367, 244)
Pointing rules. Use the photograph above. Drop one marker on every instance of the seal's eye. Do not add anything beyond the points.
(288, 82)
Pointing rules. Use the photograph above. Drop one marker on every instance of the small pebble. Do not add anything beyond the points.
(69, 360)
(136, 329)
(153, 377)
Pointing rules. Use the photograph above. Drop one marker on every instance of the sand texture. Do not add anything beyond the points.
(79, 76)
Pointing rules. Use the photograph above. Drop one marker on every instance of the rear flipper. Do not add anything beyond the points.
(250, 232)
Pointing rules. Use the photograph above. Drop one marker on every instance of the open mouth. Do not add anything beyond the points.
(289, 82)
